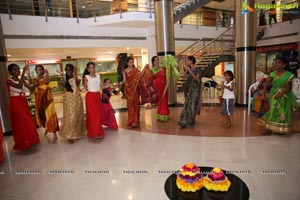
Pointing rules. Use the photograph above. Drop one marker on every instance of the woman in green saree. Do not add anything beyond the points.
(279, 117)
(192, 94)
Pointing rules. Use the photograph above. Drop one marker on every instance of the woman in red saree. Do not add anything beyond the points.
(131, 77)
(161, 78)
(22, 124)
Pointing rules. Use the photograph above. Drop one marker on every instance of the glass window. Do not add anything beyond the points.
(261, 64)
(65, 62)
(106, 66)
(81, 64)
(52, 68)
(270, 58)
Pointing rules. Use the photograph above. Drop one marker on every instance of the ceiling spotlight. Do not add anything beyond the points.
(8, 55)
(83, 7)
(127, 48)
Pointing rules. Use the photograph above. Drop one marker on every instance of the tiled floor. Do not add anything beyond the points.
(153, 157)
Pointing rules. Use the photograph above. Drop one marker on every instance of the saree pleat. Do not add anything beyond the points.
(109, 120)
(193, 100)
(279, 117)
(45, 111)
(23, 127)
(93, 115)
(133, 97)
(73, 126)
(159, 80)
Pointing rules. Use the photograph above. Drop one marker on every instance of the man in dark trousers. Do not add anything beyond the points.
(120, 72)
(294, 63)
(272, 13)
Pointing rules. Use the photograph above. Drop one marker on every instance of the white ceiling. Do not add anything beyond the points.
(62, 53)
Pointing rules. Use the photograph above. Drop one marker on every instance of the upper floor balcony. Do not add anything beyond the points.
(219, 14)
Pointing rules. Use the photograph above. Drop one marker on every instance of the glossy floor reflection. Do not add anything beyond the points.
(119, 103)
(131, 165)
(134, 164)
(209, 123)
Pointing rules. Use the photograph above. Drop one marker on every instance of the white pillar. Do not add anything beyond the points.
(144, 55)
(151, 44)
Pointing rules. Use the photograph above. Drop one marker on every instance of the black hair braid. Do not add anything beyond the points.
(67, 83)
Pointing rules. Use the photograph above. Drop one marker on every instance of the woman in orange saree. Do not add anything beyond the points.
(131, 77)
(44, 106)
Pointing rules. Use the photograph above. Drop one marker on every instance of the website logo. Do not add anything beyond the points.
(246, 9)
(291, 8)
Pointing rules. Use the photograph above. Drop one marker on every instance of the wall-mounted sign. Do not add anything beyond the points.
(282, 47)
(34, 62)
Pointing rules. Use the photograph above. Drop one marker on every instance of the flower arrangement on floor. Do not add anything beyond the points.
(190, 179)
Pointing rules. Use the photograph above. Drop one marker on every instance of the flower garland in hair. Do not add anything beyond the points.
(170, 63)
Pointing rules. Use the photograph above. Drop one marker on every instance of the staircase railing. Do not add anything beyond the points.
(187, 8)
(211, 51)
(201, 44)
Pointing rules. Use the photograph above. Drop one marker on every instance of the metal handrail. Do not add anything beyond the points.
(215, 39)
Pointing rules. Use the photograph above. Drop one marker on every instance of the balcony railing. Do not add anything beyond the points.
(95, 8)
(73, 8)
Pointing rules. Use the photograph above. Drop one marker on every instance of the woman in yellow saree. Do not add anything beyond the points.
(44, 106)
(279, 117)
(131, 78)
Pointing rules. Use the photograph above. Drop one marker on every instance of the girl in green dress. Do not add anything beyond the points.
(279, 117)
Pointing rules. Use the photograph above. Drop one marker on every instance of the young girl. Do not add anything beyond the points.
(45, 111)
(228, 97)
(73, 118)
(107, 108)
(22, 124)
(93, 102)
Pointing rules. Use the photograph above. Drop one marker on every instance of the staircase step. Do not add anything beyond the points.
(203, 62)
(187, 7)
(209, 59)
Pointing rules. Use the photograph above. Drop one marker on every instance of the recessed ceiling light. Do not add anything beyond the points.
(83, 7)
(127, 48)
(8, 55)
